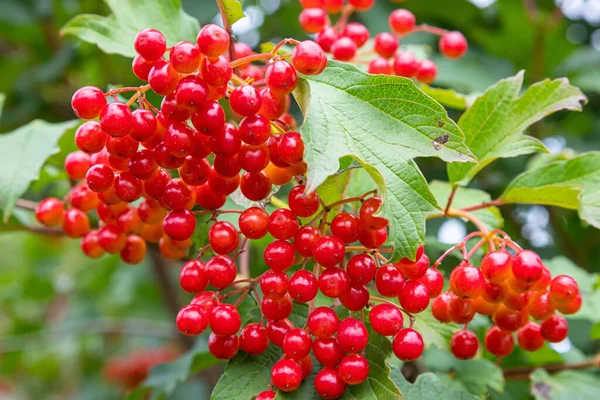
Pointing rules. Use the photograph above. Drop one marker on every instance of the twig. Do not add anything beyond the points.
(492, 203)
(26, 204)
(450, 198)
(227, 27)
(516, 371)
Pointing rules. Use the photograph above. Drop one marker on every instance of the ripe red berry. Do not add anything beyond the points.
(496, 266)
(245, 101)
(466, 281)
(343, 49)
(380, 66)
(571, 307)
(334, 282)
(527, 266)
(352, 335)
(361, 268)
(221, 271)
(453, 44)
(90, 245)
(116, 119)
(255, 186)
(540, 306)
(253, 339)
(414, 296)
(361, 5)
(434, 281)
(75, 223)
(329, 251)
(386, 319)
(216, 72)
(266, 395)
(127, 187)
(283, 224)
(179, 224)
(296, 344)
(141, 67)
(322, 322)
(357, 32)
(329, 384)
(291, 148)
(192, 277)
(225, 320)
(327, 351)
(301, 204)
(49, 211)
(100, 177)
(209, 119)
(389, 281)
(555, 329)
(354, 369)
(346, 226)
(313, 20)
(213, 40)
(281, 77)
(88, 102)
(274, 284)
(185, 57)
(206, 198)
(385, 44)
(402, 21)
(326, 38)
(405, 64)
(563, 289)
(464, 345)
(427, 71)
(355, 298)
(530, 336)
(77, 164)
(408, 344)
(370, 207)
(276, 330)
(223, 347)
(286, 375)
(255, 129)
(460, 311)
(303, 286)
(439, 307)
(279, 255)
(498, 342)
(192, 320)
(414, 270)
(176, 195)
(90, 138)
(277, 309)
(308, 58)
(150, 44)
(223, 237)
(253, 222)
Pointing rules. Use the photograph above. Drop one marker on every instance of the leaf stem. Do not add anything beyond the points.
(492, 203)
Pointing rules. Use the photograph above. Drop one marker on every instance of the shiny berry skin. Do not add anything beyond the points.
(49, 211)
(355, 298)
(208, 199)
(276, 331)
(427, 71)
(277, 309)
(291, 148)
(346, 226)
(329, 384)
(555, 329)
(367, 210)
(509, 320)
(216, 72)
(308, 58)
(498, 342)
(283, 224)
(206, 300)
(221, 271)
(83, 198)
(380, 66)
(192, 320)
(163, 78)
(127, 187)
(301, 204)
(563, 289)
(176, 194)
(75, 223)
(255, 186)
(225, 320)
(361, 5)
(414, 296)
(179, 224)
(90, 246)
(496, 266)
(540, 306)
(385, 44)
(273, 103)
(77, 164)
(303, 286)
(405, 64)
(326, 38)
(266, 395)
(88, 102)
(286, 375)
(571, 307)
(352, 335)
(296, 344)
(255, 129)
(439, 307)
(402, 21)
(111, 239)
(116, 119)
(90, 138)
(213, 40)
(209, 119)
(460, 311)
(253, 339)
(343, 49)
(150, 44)
(192, 277)
(313, 20)
(223, 347)
(453, 44)
(100, 177)
(408, 344)
(414, 270)
(192, 93)
(464, 345)
(144, 125)
(323, 322)
(358, 33)
(354, 369)
(434, 281)
(194, 172)
(185, 57)
(334, 282)
(223, 237)
(141, 67)
(386, 319)
(253, 222)
(527, 266)
(245, 101)
(466, 281)
(274, 285)
(327, 351)
(530, 337)
(329, 251)
(281, 77)
(389, 281)
(253, 158)
(279, 255)
(361, 268)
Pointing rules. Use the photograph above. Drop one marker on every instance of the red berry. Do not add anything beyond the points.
(255, 186)
(530, 337)
(496, 266)
(414, 296)
(498, 342)
(308, 58)
(328, 352)
(296, 344)
(361, 5)
(354, 369)
(100, 177)
(255, 129)
(329, 251)
(253, 339)
(206, 198)
(352, 335)
(405, 64)
(571, 307)
(179, 224)
(223, 237)
(213, 40)
(221, 271)
(563, 289)
(346, 226)
(434, 281)
(277, 309)
(283, 224)
(460, 311)
(464, 345)
(357, 32)
(281, 77)
(276, 330)
(326, 38)
(266, 395)
(192, 277)
(386, 319)
(116, 119)
(466, 281)
(356, 297)
(527, 266)
(141, 67)
(439, 307)
(253, 222)
(286, 375)
(509, 320)
(150, 44)
(301, 204)
(127, 187)
(453, 44)
(313, 20)
(77, 164)
(225, 320)
(194, 172)
(90, 138)
(163, 78)
(414, 270)
(334, 282)
(389, 281)
(367, 210)
(216, 72)
(192, 320)
(274, 285)
(75, 223)
(385, 44)
(408, 344)
(279, 255)
(245, 101)
(49, 211)
(209, 119)
(343, 49)
(144, 125)
(361, 268)
(427, 71)
(380, 66)
(223, 347)
(329, 384)
(540, 307)
(402, 21)
(206, 300)
(185, 57)
(291, 148)
(88, 102)
(555, 329)
(303, 286)
(192, 93)
(322, 322)
(176, 195)
(90, 246)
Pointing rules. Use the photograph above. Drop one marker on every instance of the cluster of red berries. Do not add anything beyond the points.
(132, 369)
(343, 40)
(336, 344)
(184, 154)
(510, 289)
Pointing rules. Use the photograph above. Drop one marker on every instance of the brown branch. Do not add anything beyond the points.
(450, 199)
(26, 204)
(227, 27)
(41, 230)
(517, 372)
(492, 203)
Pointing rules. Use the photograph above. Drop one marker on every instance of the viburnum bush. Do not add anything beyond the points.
(218, 173)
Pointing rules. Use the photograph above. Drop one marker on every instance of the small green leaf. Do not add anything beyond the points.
(449, 97)
(115, 34)
(428, 387)
(465, 198)
(572, 184)
(233, 9)
(565, 385)
(479, 375)
(495, 123)
(23, 152)
(383, 122)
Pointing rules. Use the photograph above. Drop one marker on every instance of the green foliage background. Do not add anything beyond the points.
(63, 315)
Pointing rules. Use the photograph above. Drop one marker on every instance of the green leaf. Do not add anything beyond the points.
(449, 97)
(465, 198)
(233, 9)
(495, 123)
(478, 376)
(383, 122)
(571, 184)
(164, 378)
(565, 385)
(428, 387)
(433, 331)
(245, 376)
(2, 99)
(23, 152)
(378, 385)
(115, 34)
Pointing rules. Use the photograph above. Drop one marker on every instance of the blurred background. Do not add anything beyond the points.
(75, 328)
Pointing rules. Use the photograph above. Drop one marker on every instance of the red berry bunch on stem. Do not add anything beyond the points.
(146, 171)
(352, 41)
